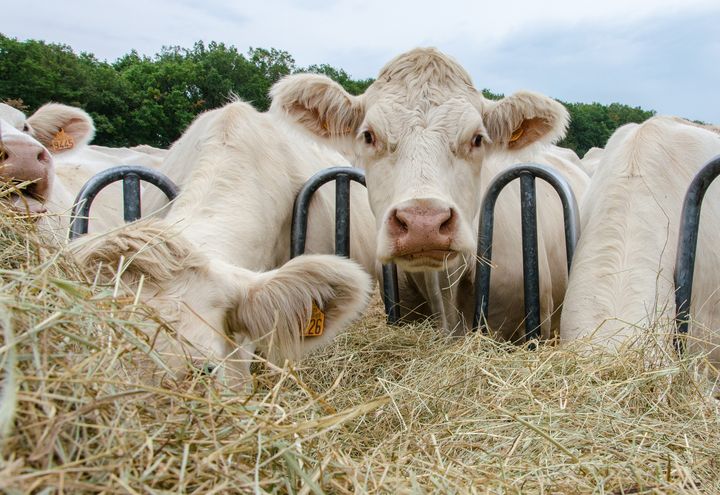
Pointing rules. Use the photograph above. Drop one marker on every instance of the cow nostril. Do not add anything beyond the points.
(43, 156)
(399, 222)
(448, 225)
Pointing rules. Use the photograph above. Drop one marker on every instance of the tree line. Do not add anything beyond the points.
(151, 100)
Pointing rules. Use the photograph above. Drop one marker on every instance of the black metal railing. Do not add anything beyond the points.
(687, 246)
(342, 177)
(131, 176)
(527, 173)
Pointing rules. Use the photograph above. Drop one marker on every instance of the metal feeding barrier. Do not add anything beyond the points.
(527, 173)
(342, 177)
(131, 176)
(687, 246)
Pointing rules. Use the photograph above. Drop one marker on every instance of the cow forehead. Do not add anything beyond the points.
(398, 119)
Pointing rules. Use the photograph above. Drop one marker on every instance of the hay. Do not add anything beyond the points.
(383, 409)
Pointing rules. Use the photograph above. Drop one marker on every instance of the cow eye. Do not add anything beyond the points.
(368, 137)
(477, 140)
(26, 128)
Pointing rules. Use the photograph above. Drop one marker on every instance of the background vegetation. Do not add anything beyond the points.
(151, 100)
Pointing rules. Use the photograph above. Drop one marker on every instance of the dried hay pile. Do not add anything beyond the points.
(382, 410)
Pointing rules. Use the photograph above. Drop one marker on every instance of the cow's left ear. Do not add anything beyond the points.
(318, 104)
(61, 128)
(302, 305)
(525, 118)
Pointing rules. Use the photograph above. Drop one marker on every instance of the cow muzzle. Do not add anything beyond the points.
(421, 234)
(26, 160)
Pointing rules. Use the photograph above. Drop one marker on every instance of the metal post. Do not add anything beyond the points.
(342, 215)
(527, 172)
(131, 191)
(528, 201)
(687, 246)
(131, 197)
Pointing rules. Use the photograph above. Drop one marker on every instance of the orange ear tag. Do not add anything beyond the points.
(517, 134)
(62, 141)
(316, 326)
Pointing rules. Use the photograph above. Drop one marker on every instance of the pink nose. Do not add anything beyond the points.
(422, 229)
(25, 159)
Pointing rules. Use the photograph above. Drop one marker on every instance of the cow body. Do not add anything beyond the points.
(430, 144)
(217, 262)
(621, 287)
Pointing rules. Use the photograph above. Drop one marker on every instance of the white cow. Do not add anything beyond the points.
(430, 143)
(621, 285)
(50, 147)
(216, 266)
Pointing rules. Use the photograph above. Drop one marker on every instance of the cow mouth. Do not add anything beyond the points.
(430, 259)
(25, 198)
(433, 254)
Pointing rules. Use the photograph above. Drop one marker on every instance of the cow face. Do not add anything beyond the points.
(27, 147)
(421, 132)
(222, 312)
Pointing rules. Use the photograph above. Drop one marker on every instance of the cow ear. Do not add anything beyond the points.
(61, 128)
(147, 248)
(318, 104)
(525, 118)
(301, 305)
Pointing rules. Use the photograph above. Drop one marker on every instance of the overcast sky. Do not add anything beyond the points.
(658, 54)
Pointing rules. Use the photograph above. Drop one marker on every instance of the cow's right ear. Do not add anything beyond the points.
(302, 305)
(318, 104)
(61, 128)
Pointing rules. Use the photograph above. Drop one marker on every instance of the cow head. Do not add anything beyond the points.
(421, 132)
(222, 312)
(27, 146)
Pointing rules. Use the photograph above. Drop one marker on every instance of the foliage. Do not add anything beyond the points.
(151, 100)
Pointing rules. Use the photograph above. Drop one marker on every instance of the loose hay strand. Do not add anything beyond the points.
(381, 410)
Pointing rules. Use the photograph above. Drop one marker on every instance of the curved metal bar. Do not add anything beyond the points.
(131, 175)
(527, 172)
(302, 206)
(298, 235)
(687, 246)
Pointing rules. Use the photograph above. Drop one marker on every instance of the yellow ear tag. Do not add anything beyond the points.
(316, 326)
(517, 134)
(62, 141)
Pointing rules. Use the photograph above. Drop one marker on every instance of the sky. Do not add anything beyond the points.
(662, 55)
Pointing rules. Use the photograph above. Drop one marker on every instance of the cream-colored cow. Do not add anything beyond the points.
(430, 144)
(621, 286)
(50, 147)
(216, 265)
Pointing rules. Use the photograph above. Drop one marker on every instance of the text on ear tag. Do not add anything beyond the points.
(62, 141)
(517, 134)
(316, 325)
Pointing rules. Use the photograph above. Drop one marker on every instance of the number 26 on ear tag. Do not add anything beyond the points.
(316, 326)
